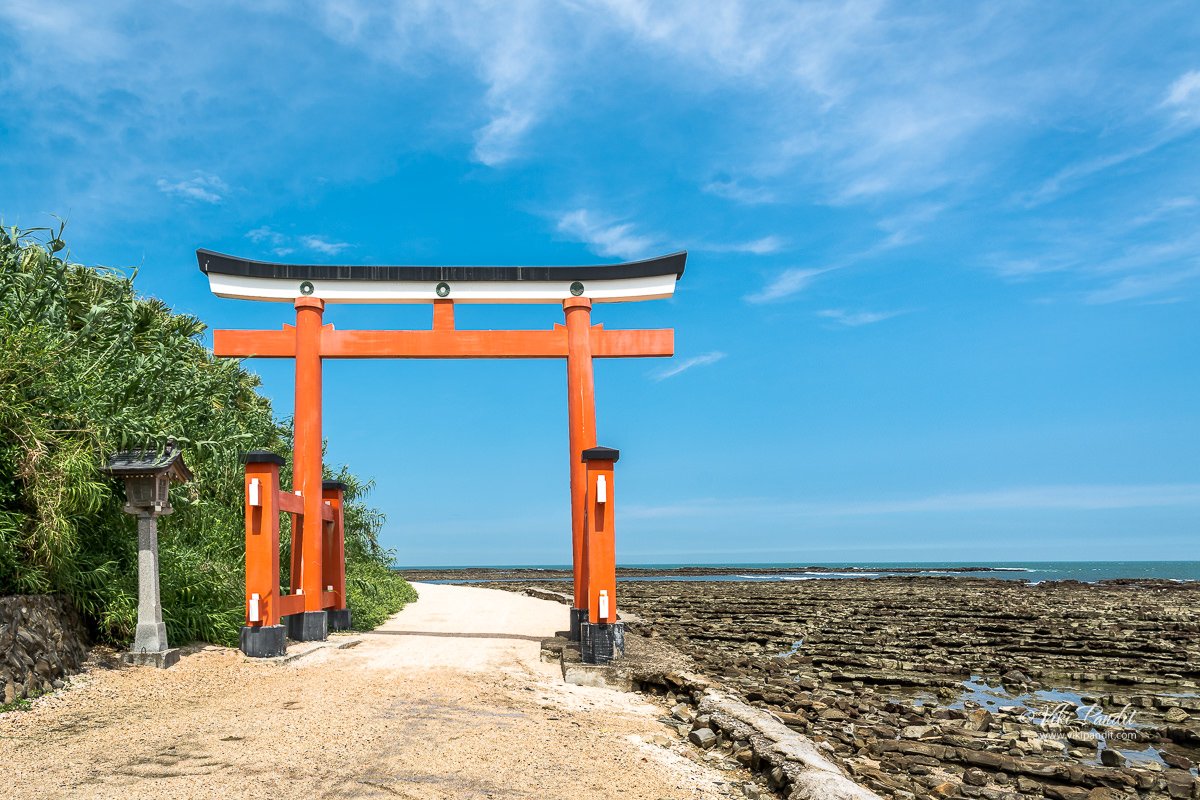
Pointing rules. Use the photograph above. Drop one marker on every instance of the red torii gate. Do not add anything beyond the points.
(318, 602)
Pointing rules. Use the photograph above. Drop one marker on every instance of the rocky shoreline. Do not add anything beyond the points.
(958, 687)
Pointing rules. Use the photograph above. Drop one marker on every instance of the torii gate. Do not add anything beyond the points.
(318, 585)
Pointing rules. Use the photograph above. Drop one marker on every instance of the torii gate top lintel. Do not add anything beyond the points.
(246, 279)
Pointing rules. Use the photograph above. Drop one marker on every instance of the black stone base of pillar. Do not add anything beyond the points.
(264, 641)
(578, 618)
(600, 642)
(308, 626)
(339, 619)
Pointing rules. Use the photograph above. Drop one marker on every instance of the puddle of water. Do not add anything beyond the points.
(1054, 708)
(796, 645)
(976, 690)
(1137, 757)
(1047, 704)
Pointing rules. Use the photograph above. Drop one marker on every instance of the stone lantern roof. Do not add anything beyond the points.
(148, 463)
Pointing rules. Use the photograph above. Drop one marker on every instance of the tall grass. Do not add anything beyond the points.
(87, 366)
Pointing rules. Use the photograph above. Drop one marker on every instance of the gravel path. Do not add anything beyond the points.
(448, 699)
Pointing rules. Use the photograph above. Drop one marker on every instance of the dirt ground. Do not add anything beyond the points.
(448, 699)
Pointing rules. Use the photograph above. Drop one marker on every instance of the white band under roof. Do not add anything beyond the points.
(281, 290)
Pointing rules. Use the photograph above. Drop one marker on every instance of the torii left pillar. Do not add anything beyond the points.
(312, 624)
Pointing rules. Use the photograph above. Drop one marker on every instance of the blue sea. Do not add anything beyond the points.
(1029, 571)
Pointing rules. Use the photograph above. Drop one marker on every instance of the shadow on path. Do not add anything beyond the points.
(520, 636)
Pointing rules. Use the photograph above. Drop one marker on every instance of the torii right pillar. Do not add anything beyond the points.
(602, 637)
(581, 420)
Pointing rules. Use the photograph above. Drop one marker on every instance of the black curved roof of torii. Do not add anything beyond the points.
(232, 265)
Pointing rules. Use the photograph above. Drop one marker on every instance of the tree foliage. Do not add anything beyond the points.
(88, 367)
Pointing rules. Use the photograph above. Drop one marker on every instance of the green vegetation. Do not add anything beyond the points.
(20, 704)
(88, 367)
(16, 705)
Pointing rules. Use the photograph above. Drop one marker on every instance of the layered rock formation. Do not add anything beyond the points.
(42, 641)
(928, 687)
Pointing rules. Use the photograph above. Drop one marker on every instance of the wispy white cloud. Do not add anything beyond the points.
(608, 236)
(1106, 262)
(741, 193)
(323, 245)
(1182, 101)
(202, 187)
(906, 225)
(1165, 209)
(266, 234)
(1183, 97)
(1071, 177)
(282, 244)
(605, 236)
(517, 59)
(1136, 287)
(854, 319)
(759, 247)
(1028, 498)
(517, 51)
(689, 363)
(902, 228)
(1024, 268)
(785, 284)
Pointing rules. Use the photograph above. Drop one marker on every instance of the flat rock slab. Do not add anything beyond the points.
(162, 659)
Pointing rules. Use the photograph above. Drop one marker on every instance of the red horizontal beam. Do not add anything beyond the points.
(256, 344)
(290, 604)
(633, 344)
(445, 343)
(291, 503)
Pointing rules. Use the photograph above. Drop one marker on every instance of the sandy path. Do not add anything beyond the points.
(446, 700)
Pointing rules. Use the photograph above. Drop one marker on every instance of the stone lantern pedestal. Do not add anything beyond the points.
(150, 639)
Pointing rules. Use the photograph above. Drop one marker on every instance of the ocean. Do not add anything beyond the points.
(1029, 571)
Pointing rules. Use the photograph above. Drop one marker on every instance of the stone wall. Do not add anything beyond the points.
(42, 641)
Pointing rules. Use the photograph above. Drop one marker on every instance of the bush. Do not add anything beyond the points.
(88, 367)
(374, 592)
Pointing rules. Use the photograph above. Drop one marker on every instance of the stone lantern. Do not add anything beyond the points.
(148, 475)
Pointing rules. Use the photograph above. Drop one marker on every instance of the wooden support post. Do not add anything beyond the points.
(297, 557)
(443, 315)
(334, 561)
(602, 637)
(581, 422)
(263, 636)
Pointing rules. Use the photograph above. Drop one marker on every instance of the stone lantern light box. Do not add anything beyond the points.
(148, 475)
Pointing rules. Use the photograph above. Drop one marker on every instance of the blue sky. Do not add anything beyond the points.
(941, 299)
